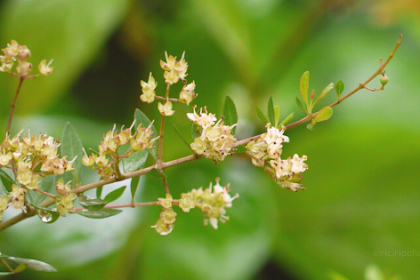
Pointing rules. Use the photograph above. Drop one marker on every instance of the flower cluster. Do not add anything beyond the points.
(174, 72)
(213, 202)
(107, 159)
(19, 53)
(4, 204)
(64, 199)
(269, 147)
(32, 158)
(167, 217)
(216, 141)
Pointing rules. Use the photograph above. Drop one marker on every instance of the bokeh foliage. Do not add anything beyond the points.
(362, 189)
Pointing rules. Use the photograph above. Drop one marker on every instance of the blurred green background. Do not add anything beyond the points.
(362, 195)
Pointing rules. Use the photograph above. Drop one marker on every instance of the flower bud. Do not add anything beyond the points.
(384, 80)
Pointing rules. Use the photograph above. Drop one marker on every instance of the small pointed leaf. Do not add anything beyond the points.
(115, 194)
(133, 186)
(33, 264)
(144, 120)
(339, 88)
(286, 120)
(276, 115)
(99, 214)
(229, 113)
(270, 111)
(304, 85)
(240, 149)
(91, 203)
(324, 114)
(300, 105)
(262, 116)
(324, 92)
(135, 161)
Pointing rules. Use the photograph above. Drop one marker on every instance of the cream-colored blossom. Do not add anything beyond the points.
(44, 68)
(18, 196)
(166, 109)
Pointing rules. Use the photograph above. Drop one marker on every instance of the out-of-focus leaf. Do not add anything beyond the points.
(144, 120)
(324, 92)
(91, 203)
(115, 194)
(21, 267)
(71, 146)
(33, 264)
(156, 173)
(339, 88)
(6, 273)
(304, 85)
(133, 186)
(99, 214)
(262, 116)
(270, 111)
(92, 151)
(6, 180)
(324, 114)
(47, 185)
(135, 161)
(276, 115)
(229, 113)
(69, 27)
(182, 137)
(300, 105)
(286, 120)
(99, 191)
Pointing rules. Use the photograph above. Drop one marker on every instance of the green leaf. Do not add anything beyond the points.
(133, 186)
(182, 137)
(262, 116)
(6, 180)
(99, 191)
(339, 88)
(115, 194)
(92, 203)
(140, 117)
(324, 114)
(135, 161)
(304, 85)
(300, 105)
(47, 185)
(21, 267)
(156, 173)
(34, 264)
(324, 92)
(276, 115)
(71, 146)
(229, 113)
(270, 111)
(286, 120)
(98, 214)
(46, 215)
(92, 151)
